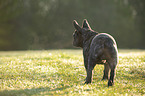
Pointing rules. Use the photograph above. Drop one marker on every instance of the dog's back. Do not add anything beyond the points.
(104, 38)
(103, 46)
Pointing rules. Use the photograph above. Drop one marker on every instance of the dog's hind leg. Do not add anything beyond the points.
(112, 66)
(106, 71)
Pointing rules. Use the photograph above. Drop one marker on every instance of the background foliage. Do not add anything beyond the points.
(46, 24)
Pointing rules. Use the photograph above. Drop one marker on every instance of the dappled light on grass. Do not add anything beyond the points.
(62, 72)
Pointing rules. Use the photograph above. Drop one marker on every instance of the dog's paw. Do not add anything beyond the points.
(105, 78)
(87, 82)
(110, 83)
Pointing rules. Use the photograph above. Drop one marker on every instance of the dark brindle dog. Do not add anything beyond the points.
(98, 48)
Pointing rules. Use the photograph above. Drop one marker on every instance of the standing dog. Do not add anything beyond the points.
(98, 48)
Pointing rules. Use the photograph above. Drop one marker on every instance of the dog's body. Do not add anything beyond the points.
(98, 48)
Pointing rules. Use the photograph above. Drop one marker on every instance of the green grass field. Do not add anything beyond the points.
(62, 72)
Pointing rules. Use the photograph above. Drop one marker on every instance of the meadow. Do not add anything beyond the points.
(62, 72)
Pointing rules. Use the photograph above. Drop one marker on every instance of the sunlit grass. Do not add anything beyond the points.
(62, 72)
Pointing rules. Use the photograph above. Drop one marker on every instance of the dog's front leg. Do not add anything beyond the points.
(86, 63)
(90, 68)
(85, 55)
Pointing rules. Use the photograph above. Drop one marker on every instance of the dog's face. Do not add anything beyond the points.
(80, 33)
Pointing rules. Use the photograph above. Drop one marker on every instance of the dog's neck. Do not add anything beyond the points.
(87, 41)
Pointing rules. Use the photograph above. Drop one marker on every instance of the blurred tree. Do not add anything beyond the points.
(8, 12)
(138, 12)
(45, 24)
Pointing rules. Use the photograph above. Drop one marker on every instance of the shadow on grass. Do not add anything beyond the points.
(50, 91)
(33, 91)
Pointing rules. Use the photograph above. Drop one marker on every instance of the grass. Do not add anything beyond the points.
(61, 72)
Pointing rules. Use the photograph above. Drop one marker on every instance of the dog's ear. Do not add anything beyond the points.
(86, 24)
(77, 26)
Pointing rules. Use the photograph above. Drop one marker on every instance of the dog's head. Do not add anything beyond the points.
(81, 33)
